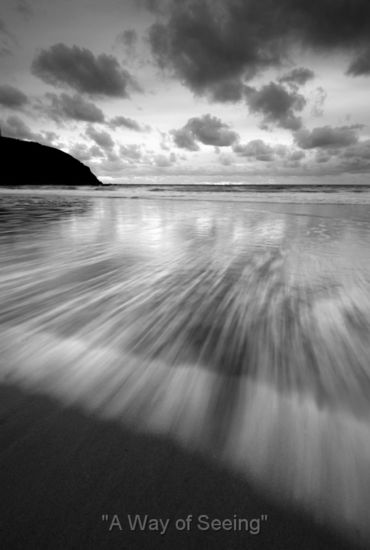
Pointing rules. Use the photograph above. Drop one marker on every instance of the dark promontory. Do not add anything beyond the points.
(30, 163)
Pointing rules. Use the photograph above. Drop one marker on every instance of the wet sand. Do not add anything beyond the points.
(182, 357)
(62, 470)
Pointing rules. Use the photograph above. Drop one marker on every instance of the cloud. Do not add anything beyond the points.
(15, 127)
(49, 138)
(256, 149)
(128, 38)
(208, 130)
(81, 70)
(163, 161)
(129, 123)
(353, 158)
(130, 152)
(185, 139)
(225, 160)
(24, 8)
(12, 97)
(201, 44)
(318, 97)
(3, 27)
(280, 156)
(4, 51)
(73, 107)
(360, 66)
(7, 39)
(356, 158)
(296, 155)
(103, 139)
(227, 91)
(358, 150)
(84, 153)
(276, 104)
(5, 32)
(327, 137)
(208, 42)
(322, 156)
(298, 76)
(109, 166)
(165, 141)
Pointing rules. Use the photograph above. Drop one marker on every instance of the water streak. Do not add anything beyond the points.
(241, 331)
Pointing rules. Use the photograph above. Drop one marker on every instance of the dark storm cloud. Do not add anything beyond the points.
(227, 91)
(256, 149)
(103, 139)
(327, 137)
(205, 49)
(81, 70)
(208, 130)
(73, 107)
(209, 42)
(125, 122)
(298, 76)
(276, 104)
(12, 97)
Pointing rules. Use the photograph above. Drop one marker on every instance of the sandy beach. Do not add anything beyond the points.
(176, 358)
(63, 470)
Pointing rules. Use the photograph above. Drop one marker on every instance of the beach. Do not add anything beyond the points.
(170, 357)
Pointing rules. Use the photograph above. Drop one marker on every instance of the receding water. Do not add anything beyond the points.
(239, 330)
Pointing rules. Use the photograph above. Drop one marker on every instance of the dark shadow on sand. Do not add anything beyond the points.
(61, 470)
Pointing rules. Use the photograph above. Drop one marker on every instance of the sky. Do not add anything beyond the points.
(192, 91)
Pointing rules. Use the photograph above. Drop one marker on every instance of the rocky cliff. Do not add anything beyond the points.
(29, 163)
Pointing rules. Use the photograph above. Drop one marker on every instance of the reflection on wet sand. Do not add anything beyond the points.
(240, 331)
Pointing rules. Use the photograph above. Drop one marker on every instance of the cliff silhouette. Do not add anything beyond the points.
(30, 163)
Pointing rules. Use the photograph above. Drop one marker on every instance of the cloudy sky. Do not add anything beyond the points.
(192, 90)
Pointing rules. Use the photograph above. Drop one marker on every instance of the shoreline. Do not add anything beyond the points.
(285, 197)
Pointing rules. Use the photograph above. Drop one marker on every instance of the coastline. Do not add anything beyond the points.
(135, 192)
